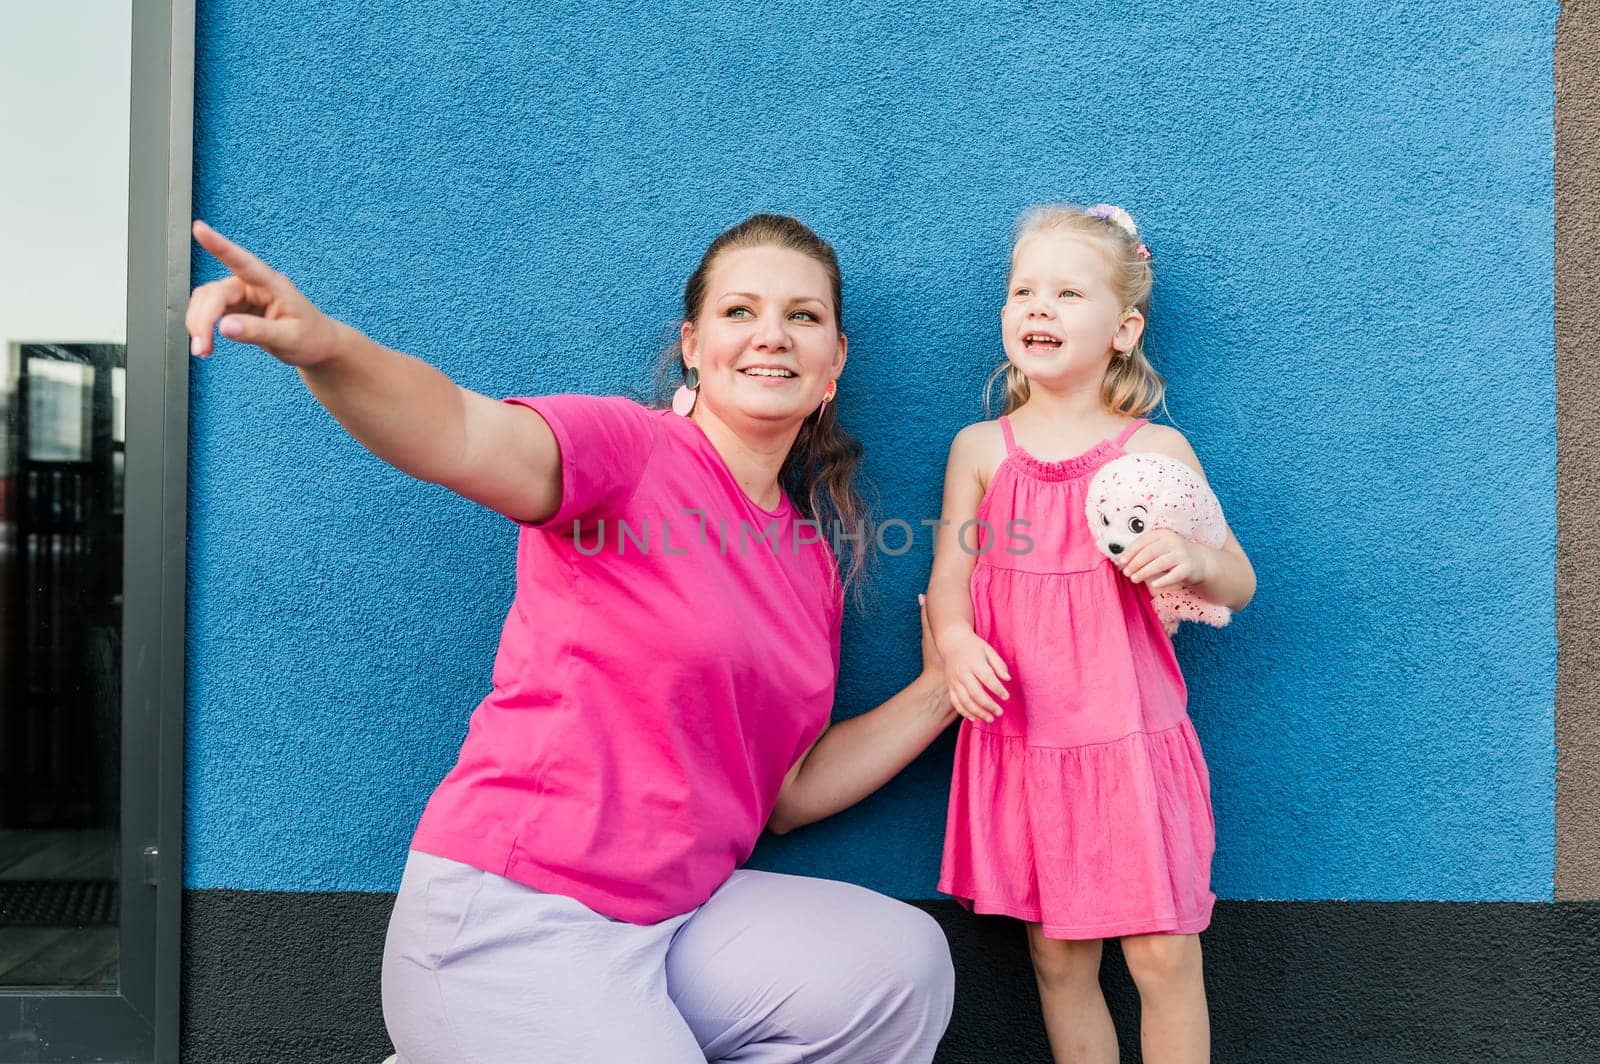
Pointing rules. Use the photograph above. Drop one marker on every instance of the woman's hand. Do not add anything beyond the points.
(257, 305)
(975, 673)
(1163, 559)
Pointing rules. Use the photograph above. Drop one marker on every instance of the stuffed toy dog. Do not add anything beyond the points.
(1142, 491)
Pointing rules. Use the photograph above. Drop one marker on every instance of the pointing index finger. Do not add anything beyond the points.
(244, 265)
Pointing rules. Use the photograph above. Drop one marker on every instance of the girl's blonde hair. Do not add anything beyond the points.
(1131, 386)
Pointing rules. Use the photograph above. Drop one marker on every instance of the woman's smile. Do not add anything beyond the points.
(769, 373)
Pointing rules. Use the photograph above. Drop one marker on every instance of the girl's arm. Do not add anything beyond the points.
(402, 410)
(855, 757)
(949, 587)
(1164, 559)
(1230, 579)
(976, 673)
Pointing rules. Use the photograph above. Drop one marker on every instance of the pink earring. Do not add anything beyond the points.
(827, 397)
(683, 399)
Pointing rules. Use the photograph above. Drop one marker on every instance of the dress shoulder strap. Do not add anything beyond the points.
(1005, 430)
(1122, 440)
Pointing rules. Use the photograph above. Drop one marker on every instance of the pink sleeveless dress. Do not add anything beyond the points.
(1086, 806)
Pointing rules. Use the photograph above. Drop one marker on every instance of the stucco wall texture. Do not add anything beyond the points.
(1577, 187)
(1351, 212)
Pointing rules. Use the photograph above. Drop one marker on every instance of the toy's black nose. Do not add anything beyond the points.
(1115, 548)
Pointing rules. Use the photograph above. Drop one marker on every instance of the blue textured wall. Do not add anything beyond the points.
(1351, 209)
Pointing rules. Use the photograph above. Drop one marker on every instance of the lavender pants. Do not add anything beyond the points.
(773, 969)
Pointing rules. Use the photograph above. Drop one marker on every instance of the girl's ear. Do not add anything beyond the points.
(1129, 332)
(840, 355)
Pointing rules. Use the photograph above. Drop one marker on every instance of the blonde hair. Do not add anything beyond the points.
(1131, 386)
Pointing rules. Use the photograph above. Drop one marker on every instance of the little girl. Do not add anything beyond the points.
(1080, 802)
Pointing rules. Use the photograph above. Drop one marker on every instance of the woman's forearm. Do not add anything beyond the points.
(855, 757)
(415, 418)
(401, 409)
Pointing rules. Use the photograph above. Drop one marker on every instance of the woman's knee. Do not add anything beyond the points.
(907, 952)
(847, 972)
(918, 983)
(927, 958)
(904, 955)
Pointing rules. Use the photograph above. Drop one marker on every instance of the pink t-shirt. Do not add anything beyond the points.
(671, 651)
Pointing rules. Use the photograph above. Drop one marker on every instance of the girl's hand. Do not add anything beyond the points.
(975, 673)
(257, 305)
(1163, 559)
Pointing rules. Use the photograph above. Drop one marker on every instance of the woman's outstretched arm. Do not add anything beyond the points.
(401, 409)
(855, 757)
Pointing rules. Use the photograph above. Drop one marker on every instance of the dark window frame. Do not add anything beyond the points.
(139, 1020)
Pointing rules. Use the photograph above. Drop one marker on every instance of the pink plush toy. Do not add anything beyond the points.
(1143, 491)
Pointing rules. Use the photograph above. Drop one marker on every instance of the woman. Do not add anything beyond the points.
(662, 691)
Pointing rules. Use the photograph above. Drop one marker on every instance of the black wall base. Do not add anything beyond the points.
(272, 977)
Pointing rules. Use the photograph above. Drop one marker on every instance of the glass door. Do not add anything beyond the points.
(94, 201)
(61, 465)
